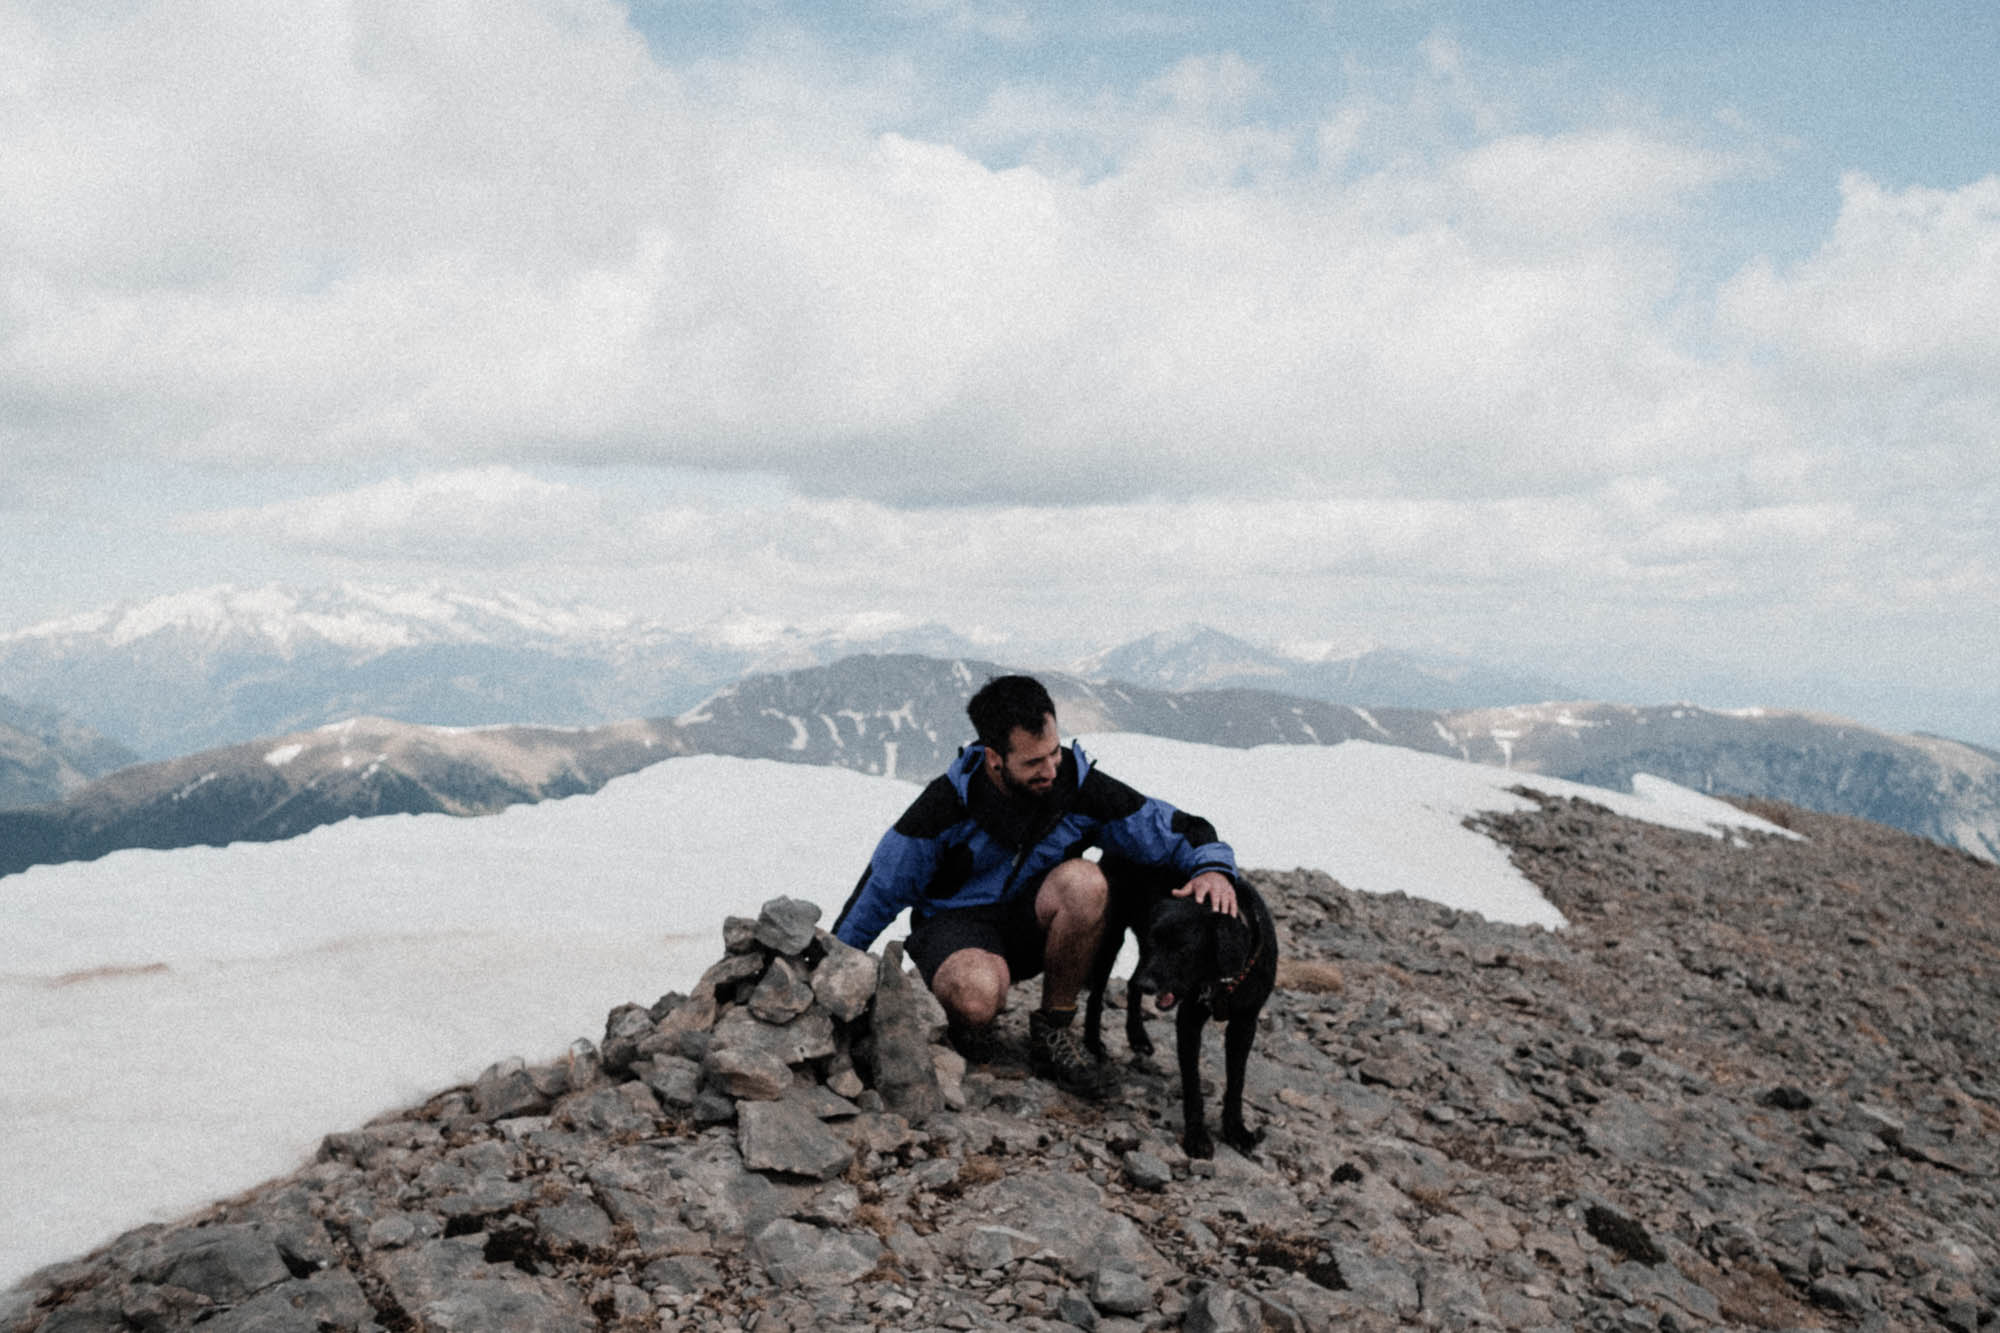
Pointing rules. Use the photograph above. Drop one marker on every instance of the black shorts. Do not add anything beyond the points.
(1008, 929)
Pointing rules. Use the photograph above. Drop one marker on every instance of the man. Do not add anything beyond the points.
(989, 862)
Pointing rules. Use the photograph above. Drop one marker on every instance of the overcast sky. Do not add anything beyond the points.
(1649, 341)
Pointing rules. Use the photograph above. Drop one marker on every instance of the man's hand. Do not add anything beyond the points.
(1212, 888)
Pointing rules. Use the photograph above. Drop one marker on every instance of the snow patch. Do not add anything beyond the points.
(284, 754)
(419, 948)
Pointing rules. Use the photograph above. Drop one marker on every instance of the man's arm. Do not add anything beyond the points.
(894, 879)
(904, 862)
(1151, 832)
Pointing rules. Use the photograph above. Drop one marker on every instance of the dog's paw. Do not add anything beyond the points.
(1196, 1143)
(1242, 1138)
(1142, 1045)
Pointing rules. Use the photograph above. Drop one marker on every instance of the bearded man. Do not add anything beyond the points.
(989, 863)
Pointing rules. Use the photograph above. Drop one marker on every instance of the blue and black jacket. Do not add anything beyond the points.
(963, 843)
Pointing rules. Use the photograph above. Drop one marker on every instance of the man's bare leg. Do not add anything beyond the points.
(972, 986)
(1070, 909)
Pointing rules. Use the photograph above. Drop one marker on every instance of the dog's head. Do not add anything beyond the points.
(1189, 946)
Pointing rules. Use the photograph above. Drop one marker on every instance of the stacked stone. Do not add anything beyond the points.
(790, 1031)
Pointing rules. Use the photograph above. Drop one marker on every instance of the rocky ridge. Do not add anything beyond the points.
(1753, 1086)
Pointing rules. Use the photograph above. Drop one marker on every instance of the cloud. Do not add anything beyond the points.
(488, 515)
(438, 244)
(1629, 555)
(1905, 288)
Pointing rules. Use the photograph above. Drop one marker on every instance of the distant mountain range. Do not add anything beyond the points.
(1196, 657)
(903, 716)
(45, 755)
(219, 666)
(282, 786)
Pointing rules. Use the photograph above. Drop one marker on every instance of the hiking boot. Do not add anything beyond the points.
(979, 1045)
(1059, 1056)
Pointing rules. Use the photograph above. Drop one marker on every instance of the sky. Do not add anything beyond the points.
(172, 1032)
(1649, 346)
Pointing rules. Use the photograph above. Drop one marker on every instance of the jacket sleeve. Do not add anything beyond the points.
(904, 863)
(1151, 832)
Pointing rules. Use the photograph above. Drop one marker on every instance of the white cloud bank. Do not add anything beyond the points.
(1411, 356)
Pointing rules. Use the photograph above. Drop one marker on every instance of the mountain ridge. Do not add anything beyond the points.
(221, 665)
(903, 716)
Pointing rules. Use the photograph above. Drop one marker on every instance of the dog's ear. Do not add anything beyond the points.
(1232, 944)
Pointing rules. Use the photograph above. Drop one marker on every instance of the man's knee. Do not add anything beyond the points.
(972, 985)
(1076, 889)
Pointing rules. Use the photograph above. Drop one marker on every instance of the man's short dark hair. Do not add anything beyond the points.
(1004, 703)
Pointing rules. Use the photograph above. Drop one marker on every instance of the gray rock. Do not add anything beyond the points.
(507, 1088)
(1220, 1309)
(739, 934)
(785, 925)
(224, 1263)
(688, 1273)
(576, 1224)
(487, 1194)
(674, 1079)
(329, 1300)
(807, 1037)
(783, 994)
(729, 972)
(907, 1019)
(147, 1307)
(786, 1136)
(84, 1316)
(844, 981)
(1119, 1287)
(1066, 1213)
(1073, 1309)
(583, 1066)
(654, 1221)
(1146, 1171)
(795, 1254)
(723, 1198)
(624, 1028)
(513, 1304)
(417, 1274)
(987, 1247)
(747, 1072)
(1377, 1281)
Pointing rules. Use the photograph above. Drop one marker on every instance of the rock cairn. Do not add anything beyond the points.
(1752, 1087)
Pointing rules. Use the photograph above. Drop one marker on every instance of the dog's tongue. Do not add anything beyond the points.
(1163, 1001)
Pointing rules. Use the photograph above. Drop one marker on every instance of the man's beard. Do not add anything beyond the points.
(1021, 791)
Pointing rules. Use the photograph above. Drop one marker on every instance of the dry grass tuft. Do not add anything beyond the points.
(1312, 976)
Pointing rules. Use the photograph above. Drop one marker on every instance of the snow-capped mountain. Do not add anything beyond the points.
(1196, 657)
(283, 786)
(903, 716)
(217, 666)
(1936, 788)
(45, 755)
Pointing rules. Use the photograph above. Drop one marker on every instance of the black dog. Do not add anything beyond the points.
(1203, 964)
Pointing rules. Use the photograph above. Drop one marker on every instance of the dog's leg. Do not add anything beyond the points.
(1236, 1039)
(1190, 1019)
(1098, 980)
(1136, 1040)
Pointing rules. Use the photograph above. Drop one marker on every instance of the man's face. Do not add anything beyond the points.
(1029, 766)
